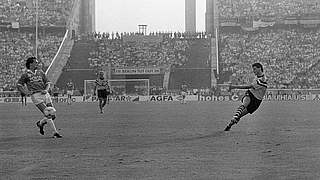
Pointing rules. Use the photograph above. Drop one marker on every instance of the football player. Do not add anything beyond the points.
(38, 86)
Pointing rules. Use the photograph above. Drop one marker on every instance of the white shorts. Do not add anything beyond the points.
(70, 92)
(183, 93)
(38, 98)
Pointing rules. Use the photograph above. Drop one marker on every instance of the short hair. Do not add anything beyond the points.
(29, 61)
(258, 65)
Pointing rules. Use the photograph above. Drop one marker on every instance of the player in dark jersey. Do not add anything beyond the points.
(23, 99)
(38, 86)
(253, 96)
(70, 88)
(183, 92)
(103, 89)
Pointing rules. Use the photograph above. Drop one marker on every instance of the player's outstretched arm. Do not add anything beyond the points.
(240, 86)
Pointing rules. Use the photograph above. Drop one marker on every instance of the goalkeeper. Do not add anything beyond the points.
(38, 86)
(253, 96)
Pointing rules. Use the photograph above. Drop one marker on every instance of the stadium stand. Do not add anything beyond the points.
(17, 25)
(271, 9)
(17, 46)
(122, 52)
(51, 12)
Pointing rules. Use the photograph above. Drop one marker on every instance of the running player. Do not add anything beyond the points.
(253, 96)
(37, 86)
(70, 88)
(183, 91)
(103, 89)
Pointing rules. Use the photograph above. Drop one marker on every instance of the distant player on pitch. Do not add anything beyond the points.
(70, 88)
(23, 99)
(103, 89)
(253, 96)
(183, 92)
(38, 86)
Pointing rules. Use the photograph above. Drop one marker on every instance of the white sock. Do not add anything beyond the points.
(51, 124)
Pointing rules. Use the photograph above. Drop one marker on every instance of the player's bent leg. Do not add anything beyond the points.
(53, 127)
(100, 105)
(40, 124)
(240, 112)
(50, 113)
(41, 106)
(104, 103)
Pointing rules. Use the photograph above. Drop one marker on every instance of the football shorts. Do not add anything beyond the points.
(183, 93)
(70, 92)
(103, 94)
(38, 98)
(254, 102)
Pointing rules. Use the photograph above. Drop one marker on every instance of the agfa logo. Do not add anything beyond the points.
(161, 98)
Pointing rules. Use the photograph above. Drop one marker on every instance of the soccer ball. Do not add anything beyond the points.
(49, 111)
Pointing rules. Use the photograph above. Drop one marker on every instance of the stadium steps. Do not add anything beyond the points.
(78, 68)
(196, 72)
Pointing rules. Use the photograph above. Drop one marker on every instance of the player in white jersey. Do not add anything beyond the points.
(103, 89)
(253, 96)
(183, 92)
(38, 86)
(70, 88)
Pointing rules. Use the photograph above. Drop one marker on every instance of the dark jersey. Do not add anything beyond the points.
(35, 81)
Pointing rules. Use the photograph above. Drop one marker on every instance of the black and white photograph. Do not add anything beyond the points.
(159, 89)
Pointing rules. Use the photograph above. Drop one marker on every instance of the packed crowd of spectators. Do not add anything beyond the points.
(122, 35)
(16, 46)
(160, 51)
(50, 12)
(285, 54)
(310, 78)
(258, 9)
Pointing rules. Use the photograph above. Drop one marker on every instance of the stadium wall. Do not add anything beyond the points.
(174, 98)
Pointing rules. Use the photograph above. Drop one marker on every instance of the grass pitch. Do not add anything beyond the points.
(162, 141)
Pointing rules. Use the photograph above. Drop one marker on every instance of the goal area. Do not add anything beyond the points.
(121, 87)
